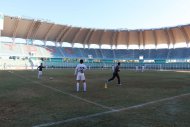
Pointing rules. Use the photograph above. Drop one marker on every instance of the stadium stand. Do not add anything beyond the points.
(68, 52)
(71, 52)
(10, 48)
(162, 53)
(89, 52)
(53, 51)
(99, 53)
(108, 54)
(15, 53)
(22, 55)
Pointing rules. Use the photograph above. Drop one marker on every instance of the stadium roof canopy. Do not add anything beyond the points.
(18, 27)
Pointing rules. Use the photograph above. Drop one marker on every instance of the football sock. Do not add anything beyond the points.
(84, 85)
(77, 86)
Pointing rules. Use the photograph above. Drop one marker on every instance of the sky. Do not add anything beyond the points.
(104, 14)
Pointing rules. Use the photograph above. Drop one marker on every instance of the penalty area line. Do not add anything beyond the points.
(113, 111)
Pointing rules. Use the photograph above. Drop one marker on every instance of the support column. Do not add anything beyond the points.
(44, 43)
(13, 40)
(56, 44)
(72, 44)
(29, 41)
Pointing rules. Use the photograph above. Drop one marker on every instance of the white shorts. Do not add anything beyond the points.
(80, 76)
(39, 72)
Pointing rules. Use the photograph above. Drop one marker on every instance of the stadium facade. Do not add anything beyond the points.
(163, 48)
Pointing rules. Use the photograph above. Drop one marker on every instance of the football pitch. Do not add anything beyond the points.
(145, 99)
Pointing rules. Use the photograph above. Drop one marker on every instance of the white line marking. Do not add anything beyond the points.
(108, 112)
(77, 97)
(74, 96)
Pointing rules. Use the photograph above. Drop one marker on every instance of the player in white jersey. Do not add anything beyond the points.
(79, 73)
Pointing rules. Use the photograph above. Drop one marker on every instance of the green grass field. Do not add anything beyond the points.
(26, 101)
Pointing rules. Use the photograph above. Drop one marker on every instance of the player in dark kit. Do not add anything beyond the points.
(115, 74)
(40, 70)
